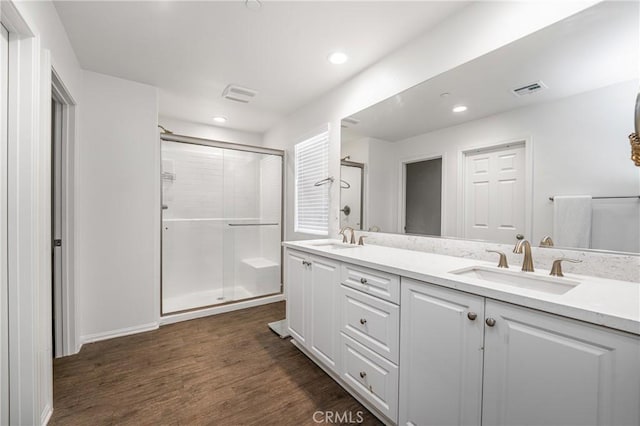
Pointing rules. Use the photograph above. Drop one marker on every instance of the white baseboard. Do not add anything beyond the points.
(170, 319)
(96, 337)
(46, 415)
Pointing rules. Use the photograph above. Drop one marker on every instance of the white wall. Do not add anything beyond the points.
(580, 146)
(474, 31)
(118, 218)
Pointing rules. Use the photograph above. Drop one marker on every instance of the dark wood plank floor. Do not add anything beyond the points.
(228, 369)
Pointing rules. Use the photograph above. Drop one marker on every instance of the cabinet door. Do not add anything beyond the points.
(440, 355)
(297, 293)
(541, 369)
(323, 310)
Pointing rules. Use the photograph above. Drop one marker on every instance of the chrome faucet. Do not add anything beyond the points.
(522, 244)
(344, 235)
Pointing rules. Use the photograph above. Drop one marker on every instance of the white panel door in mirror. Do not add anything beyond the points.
(496, 175)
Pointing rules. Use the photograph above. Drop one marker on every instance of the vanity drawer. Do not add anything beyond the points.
(377, 283)
(373, 322)
(371, 376)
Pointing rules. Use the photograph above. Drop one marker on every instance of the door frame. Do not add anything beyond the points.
(402, 184)
(29, 222)
(528, 180)
(67, 326)
(4, 290)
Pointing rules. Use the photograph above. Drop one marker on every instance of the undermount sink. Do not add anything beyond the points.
(329, 245)
(547, 284)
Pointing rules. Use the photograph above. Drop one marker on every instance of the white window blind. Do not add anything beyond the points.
(312, 202)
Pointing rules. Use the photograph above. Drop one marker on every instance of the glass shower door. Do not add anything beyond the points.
(220, 225)
(253, 183)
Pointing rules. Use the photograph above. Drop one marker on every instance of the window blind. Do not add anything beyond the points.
(312, 202)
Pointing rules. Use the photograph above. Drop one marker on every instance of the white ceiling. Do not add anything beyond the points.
(192, 50)
(593, 49)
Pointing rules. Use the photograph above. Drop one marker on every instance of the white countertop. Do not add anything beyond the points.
(610, 303)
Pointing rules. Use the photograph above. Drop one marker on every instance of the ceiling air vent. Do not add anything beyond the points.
(529, 89)
(239, 94)
(349, 122)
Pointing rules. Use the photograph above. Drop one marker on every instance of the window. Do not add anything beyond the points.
(312, 202)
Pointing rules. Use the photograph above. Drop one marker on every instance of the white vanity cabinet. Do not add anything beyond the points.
(544, 369)
(441, 338)
(312, 311)
(370, 336)
(470, 360)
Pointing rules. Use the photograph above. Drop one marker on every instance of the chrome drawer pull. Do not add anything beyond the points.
(363, 280)
(472, 316)
(363, 374)
(490, 322)
(363, 321)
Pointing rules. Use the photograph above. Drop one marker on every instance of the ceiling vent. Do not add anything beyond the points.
(239, 93)
(529, 89)
(349, 122)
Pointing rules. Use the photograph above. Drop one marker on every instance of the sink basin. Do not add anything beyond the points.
(337, 246)
(546, 284)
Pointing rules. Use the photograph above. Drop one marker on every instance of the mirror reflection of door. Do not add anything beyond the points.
(351, 178)
(494, 193)
(423, 197)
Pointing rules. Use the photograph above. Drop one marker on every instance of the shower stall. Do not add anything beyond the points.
(221, 223)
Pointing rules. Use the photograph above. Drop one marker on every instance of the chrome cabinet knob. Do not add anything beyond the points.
(363, 374)
(363, 280)
(363, 321)
(472, 316)
(490, 322)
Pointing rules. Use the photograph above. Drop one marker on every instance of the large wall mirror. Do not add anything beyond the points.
(529, 139)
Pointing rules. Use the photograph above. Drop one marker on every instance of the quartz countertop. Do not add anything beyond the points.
(609, 303)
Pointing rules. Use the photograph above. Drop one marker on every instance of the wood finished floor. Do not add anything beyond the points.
(227, 369)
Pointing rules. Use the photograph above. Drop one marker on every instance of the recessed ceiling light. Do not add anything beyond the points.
(220, 119)
(459, 108)
(338, 58)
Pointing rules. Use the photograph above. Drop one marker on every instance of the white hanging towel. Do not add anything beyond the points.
(572, 221)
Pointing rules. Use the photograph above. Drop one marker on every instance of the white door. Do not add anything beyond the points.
(4, 308)
(494, 194)
(324, 332)
(441, 335)
(541, 369)
(296, 287)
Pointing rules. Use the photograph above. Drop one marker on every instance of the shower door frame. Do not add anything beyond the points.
(171, 137)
